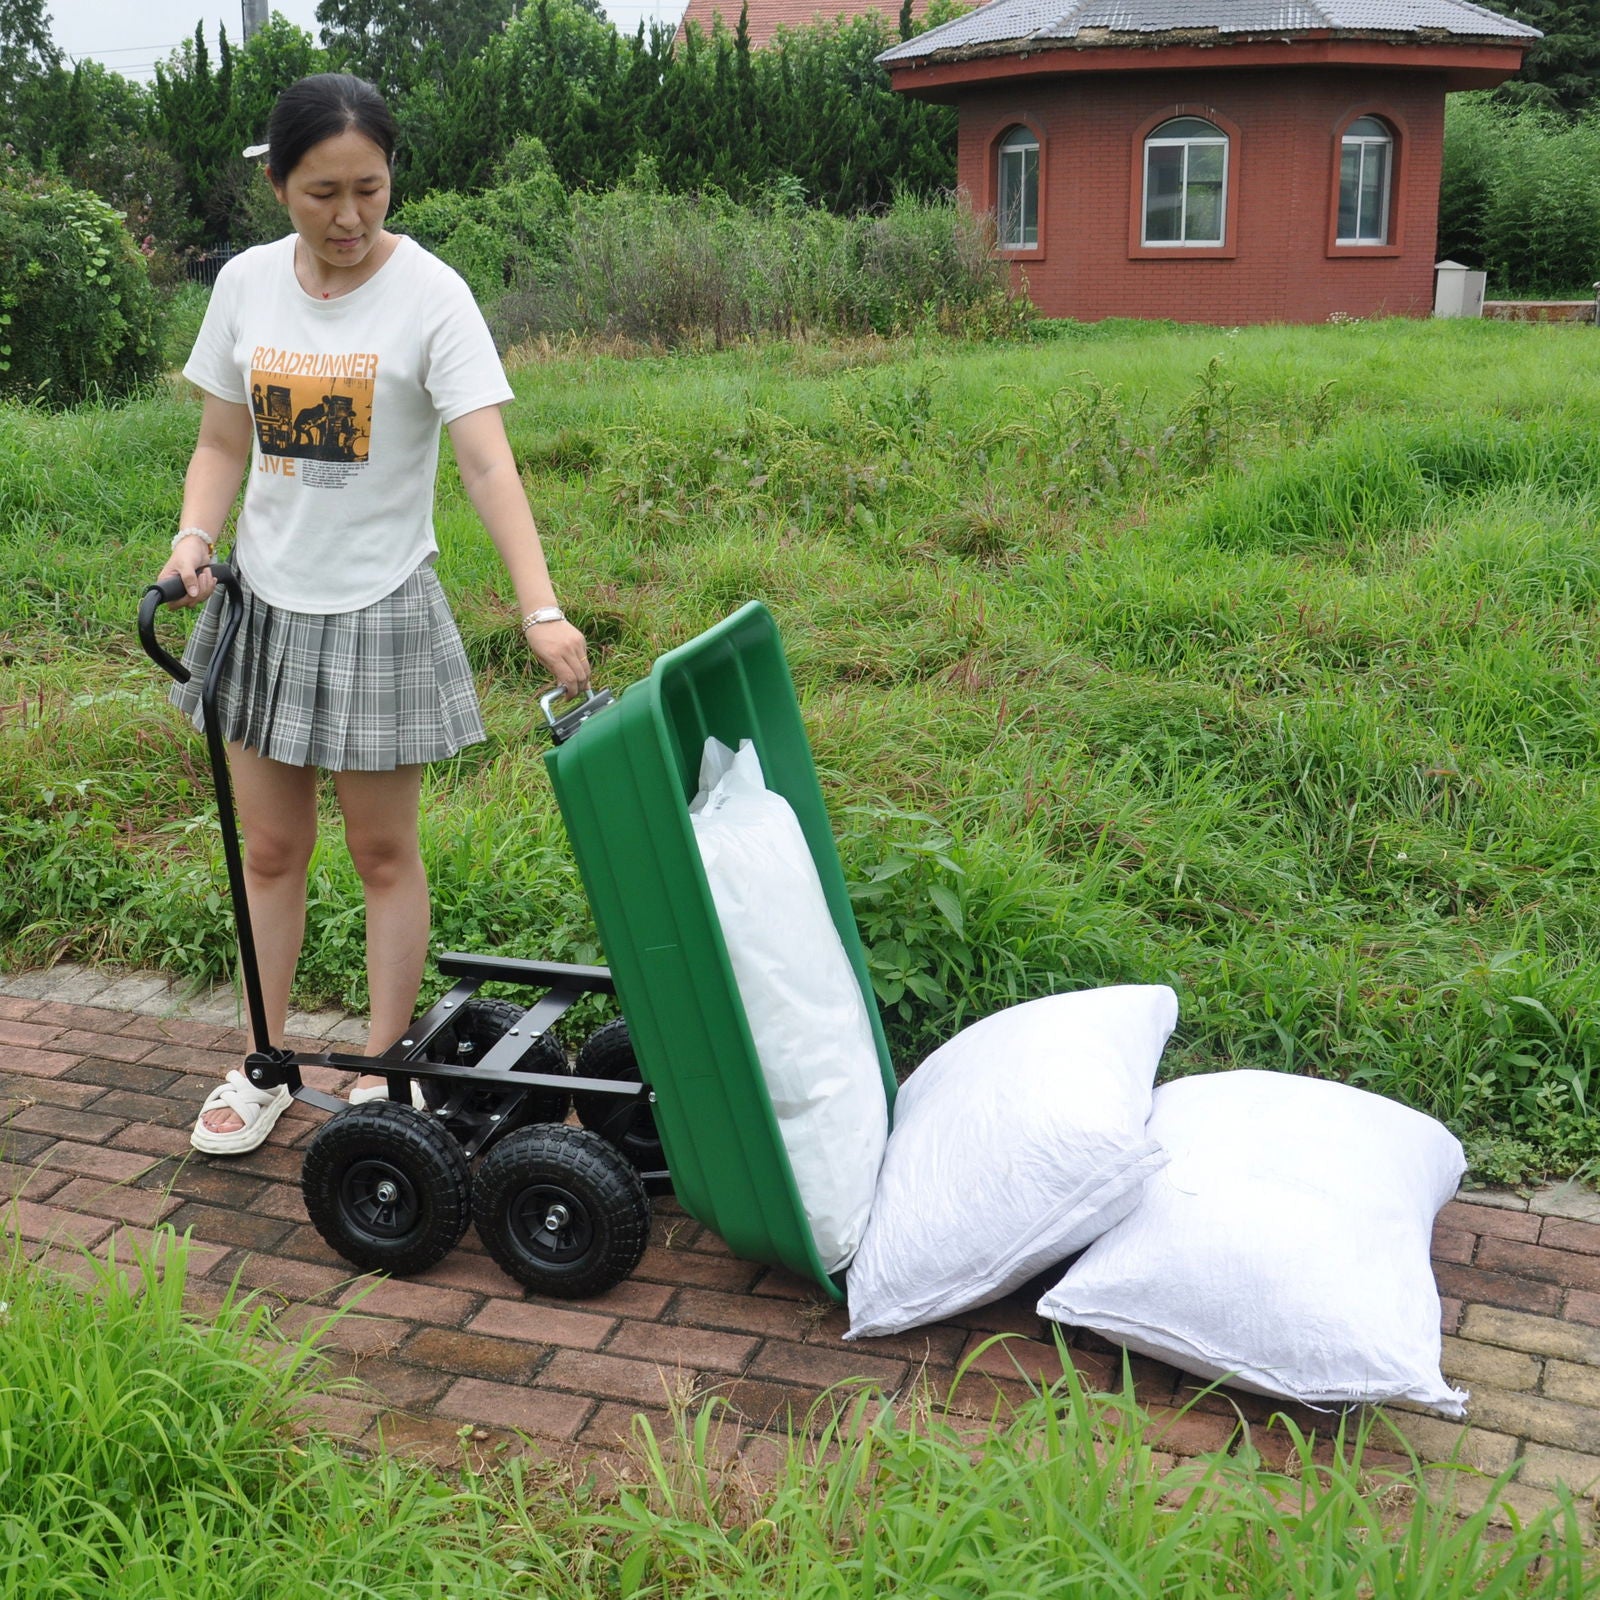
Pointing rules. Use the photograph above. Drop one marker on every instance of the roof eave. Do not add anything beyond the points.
(1469, 63)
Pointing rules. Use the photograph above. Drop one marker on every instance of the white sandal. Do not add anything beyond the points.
(380, 1091)
(258, 1109)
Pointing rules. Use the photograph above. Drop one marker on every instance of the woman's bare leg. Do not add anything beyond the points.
(277, 808)
(380, 827)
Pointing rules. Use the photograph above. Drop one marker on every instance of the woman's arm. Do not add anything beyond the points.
(210, 487)
(489, 475)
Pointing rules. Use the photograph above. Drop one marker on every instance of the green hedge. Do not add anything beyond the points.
(1520, 196)
(78, 316)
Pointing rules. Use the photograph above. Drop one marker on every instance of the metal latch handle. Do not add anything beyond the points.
(563, 727)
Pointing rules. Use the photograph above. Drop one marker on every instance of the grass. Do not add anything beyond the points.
(1069, 1494)
(146, 1453)
(1259, 662)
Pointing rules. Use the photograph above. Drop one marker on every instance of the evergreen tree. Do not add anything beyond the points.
(194, 119)
(28, 60)
(628, 101)
(724, 160)
(386, 41)
(751, 143)
(469, 77)
(60, 117)
(684, 112)
(275, 56)
(453, 125)
(26, 49)
(1562, 70)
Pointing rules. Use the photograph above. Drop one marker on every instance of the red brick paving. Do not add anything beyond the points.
(94, 1111)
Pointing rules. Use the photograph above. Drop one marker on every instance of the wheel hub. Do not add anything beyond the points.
(551, 1223)
(379, 1200)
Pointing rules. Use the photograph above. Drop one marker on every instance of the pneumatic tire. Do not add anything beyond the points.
(387, 1187)
(608, 1053)
(561, 1211)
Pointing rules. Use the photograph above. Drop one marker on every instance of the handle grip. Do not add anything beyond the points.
(164, 593)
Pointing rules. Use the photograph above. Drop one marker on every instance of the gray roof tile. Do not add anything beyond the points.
(1012, 22)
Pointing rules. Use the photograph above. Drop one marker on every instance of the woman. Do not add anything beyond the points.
(329, 361)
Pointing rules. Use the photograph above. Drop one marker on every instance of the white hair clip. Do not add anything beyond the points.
(251, 151)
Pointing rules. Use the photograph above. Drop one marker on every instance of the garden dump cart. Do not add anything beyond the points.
(555, 1162)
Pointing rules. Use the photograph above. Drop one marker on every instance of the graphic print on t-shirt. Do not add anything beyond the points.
(312, 408)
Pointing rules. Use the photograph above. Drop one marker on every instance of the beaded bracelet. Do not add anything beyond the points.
(194, 533)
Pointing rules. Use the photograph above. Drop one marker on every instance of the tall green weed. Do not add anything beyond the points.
(510, 232)
(668, 270)
(1069, 1494)
(146, 1453)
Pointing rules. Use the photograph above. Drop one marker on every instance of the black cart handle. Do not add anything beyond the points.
(165, 593)
(156, 596)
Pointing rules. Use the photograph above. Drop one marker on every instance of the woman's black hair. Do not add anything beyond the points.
(322, 107)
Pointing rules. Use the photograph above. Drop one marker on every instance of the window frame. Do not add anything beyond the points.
(1141, 249)
(1024, 122)
(1398, 142)
(1019, 140)
(1187, 143)
(1364, 144)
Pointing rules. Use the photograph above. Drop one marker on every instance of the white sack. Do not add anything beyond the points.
(807, 1018)
(1014, 1145)
(1286, 1245)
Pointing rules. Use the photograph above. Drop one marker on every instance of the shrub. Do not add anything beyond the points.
(511, 231)
(1541, 220)
(674, 269)
(78, 315)
(258, 218)
(142, 182)
(1520, 196)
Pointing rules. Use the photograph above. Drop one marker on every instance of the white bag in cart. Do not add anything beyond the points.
(801, 998)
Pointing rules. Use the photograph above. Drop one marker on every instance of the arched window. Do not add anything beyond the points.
(1366, 154)
(1017, 213)
(1185, 183)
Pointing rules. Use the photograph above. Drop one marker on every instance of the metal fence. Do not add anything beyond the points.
(204, 268)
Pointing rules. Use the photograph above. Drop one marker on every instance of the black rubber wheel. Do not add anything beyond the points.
(470, 1035)
(608, 1053)
(388, 1187)
(561, 1211)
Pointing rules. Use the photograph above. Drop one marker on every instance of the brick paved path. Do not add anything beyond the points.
(100, 1078)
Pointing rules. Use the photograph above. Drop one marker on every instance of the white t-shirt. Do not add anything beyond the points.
(348, 397)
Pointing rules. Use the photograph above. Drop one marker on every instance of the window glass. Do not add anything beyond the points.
(1018, 218)
(1163, 199)
(1187, 128)
(1365, 158)
(1203, 192)
(1185, 183)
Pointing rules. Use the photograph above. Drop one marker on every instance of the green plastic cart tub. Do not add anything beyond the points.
(623, 782)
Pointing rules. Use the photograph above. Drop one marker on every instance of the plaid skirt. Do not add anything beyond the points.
(356, 691)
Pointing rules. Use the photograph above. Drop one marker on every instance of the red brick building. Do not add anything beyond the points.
(1223, 161)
